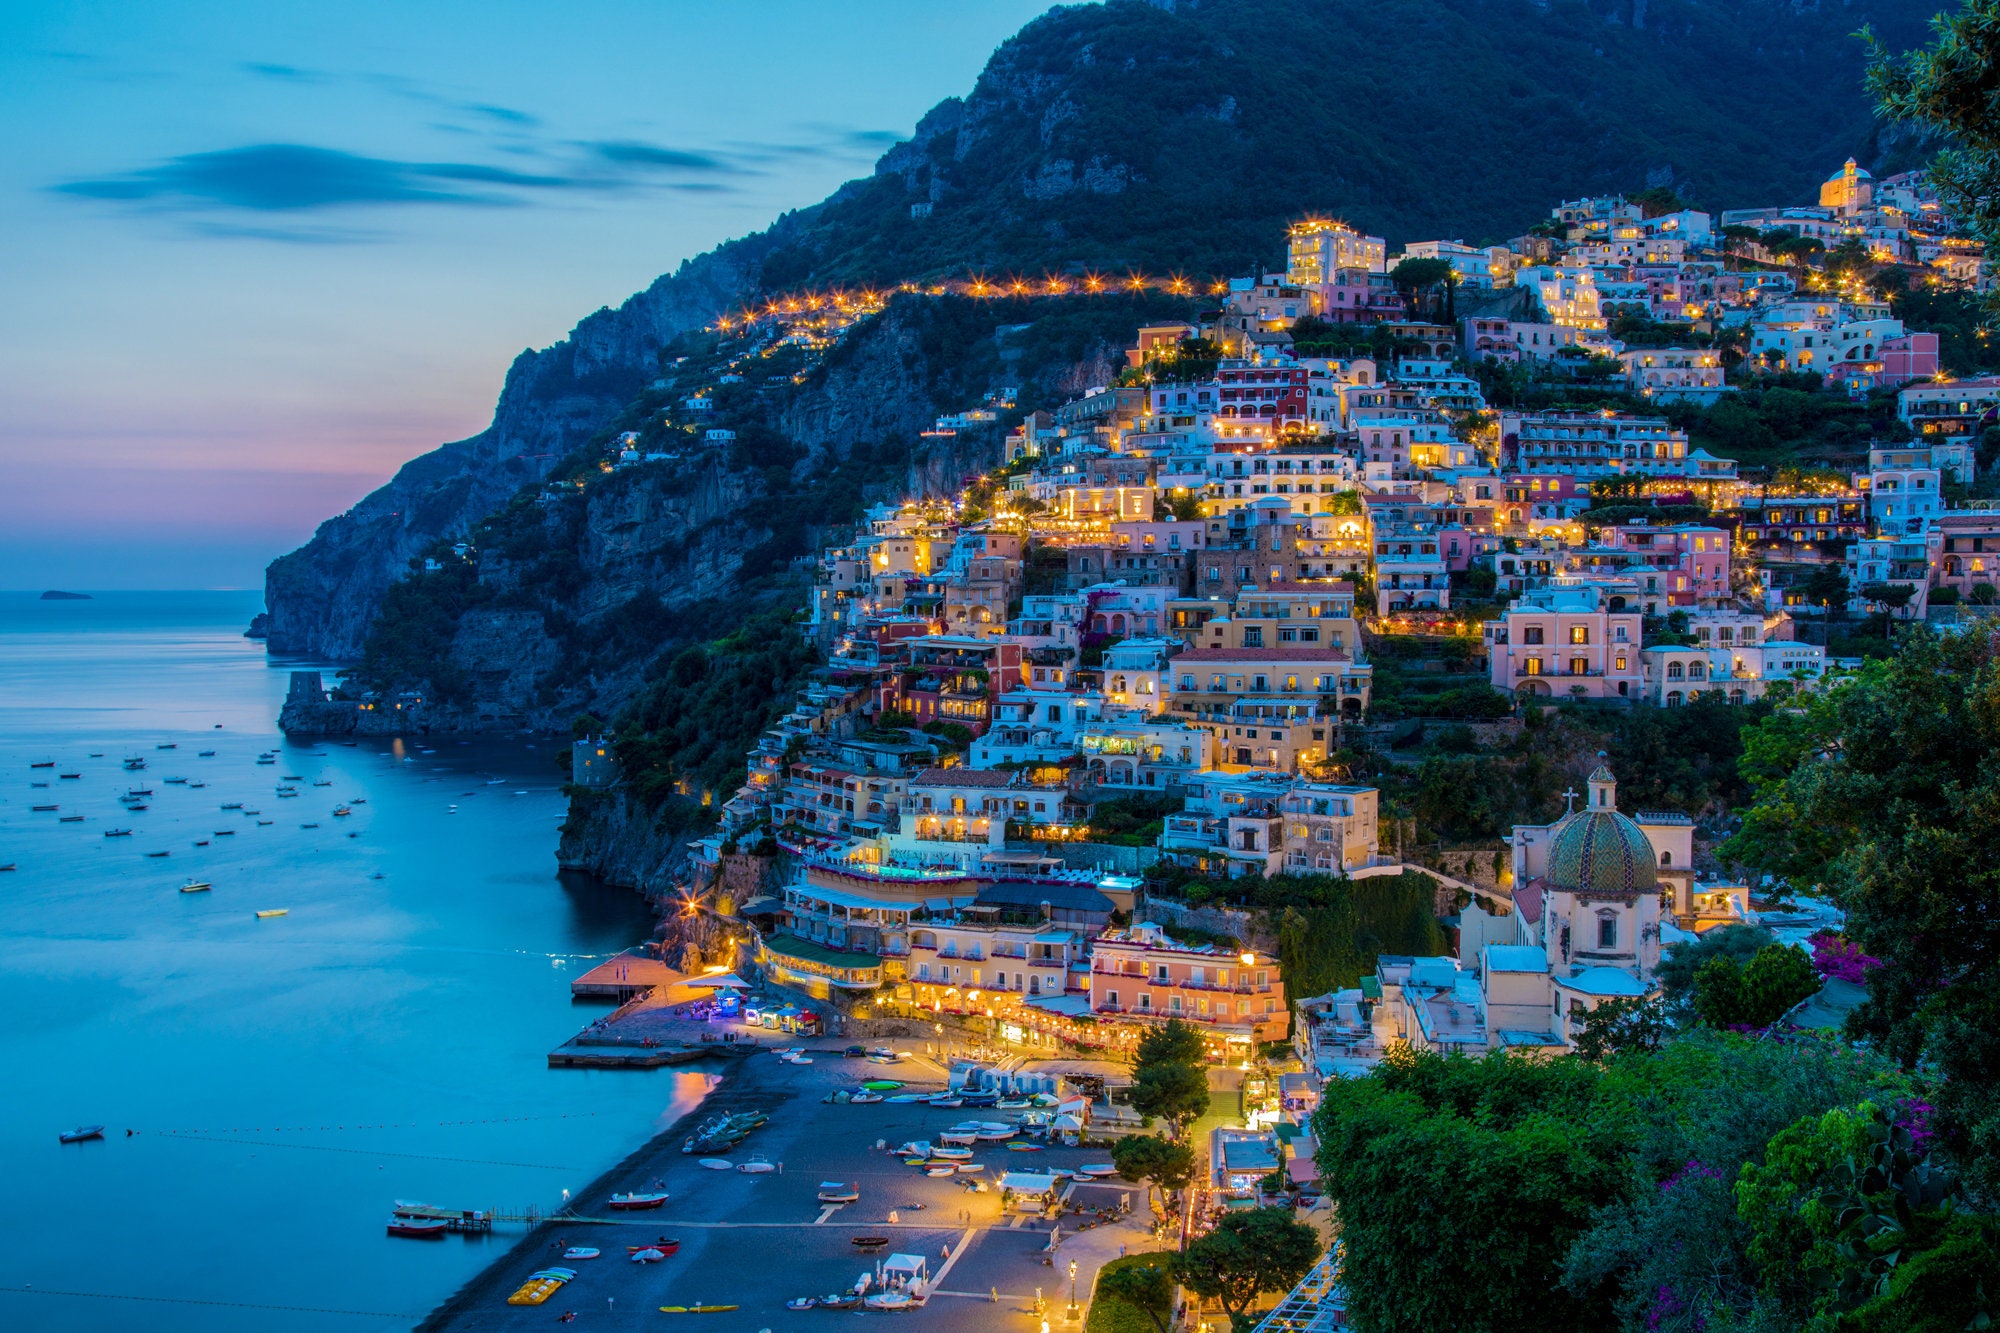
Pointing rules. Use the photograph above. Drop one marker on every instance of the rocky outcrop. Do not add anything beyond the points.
(614, 838)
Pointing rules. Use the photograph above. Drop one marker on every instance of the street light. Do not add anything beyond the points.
(1070, 1315)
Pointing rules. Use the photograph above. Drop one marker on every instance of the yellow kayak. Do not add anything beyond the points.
(695, 1309)
(270, 912)
(540, 1286)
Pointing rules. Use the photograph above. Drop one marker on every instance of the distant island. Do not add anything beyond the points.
(56, 595)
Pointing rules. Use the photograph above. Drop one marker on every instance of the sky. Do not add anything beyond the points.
(255, 256)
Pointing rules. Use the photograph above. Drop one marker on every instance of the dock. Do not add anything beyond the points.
(624, 977)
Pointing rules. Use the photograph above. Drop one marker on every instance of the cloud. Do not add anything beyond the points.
(291, 178)
(284, 73)
(633, 154)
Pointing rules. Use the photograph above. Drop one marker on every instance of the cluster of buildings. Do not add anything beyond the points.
(1159, 601)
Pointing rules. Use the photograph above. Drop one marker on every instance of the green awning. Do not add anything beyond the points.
(1371, 988)
(807, 951)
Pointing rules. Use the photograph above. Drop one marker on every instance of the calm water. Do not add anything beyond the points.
(288, 1078)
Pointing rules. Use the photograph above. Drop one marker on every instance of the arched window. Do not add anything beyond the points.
(1673, 671)
(1673, 698)
(1666, 858)
(1697, 670)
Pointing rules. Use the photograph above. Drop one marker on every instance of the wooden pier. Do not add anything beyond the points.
(632, 973)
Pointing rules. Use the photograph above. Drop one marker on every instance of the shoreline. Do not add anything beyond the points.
(733, 1075)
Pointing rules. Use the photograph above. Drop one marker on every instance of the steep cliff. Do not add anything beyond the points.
(1178, 136)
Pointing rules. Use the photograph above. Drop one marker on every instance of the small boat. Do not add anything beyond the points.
(992, 1132)
(881, 1085)
(137, 805)
(202, 843)
(233, 805)
(253, 812)
(290, 777)
(131, 765)
(267, 913)
(870, 1242)
(7, 867)
(41, 808)
(904, 1098)
(1018, 1146)
(324, 782)
(540, 1286)
(696, 1309)
(948, 1102)
(757, 1165)
(81, 1133)
(839, 1300)
(939, 1170)
(264, 823)
(167, 745)
(666, 1247)
(970, 1168)
(421, 1228)
(958, 1138)
(43, 763)
(118, 833)
(1012, 1104)
(1097, 1169)
(891, 1300)
(360, 800)
(196, 886)
(634, 1202)
(195, 786)
(225, 833)
(952, 1154)
(580, 1252)
(157, 855)
(802, 1303)
(70, 819)
(834, 1191)
(266, 759)
(863, 1098)
(647, 1255)
(176, 782)
(206, 754)
(341, 810)
(717, 1164)
(308, 826)
(69, 777)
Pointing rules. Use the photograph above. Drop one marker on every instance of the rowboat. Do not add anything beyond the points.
(869, 1242)
(1097, 1169)
(717, 1164)
(43, 763)
(996, 1133)
(666, 1247)
(970, 1168)
(695, 1309)
(952, 1154)
(939, 1170)
(39, 809)
(118, 833)
(69, 777)
(419, 1228)
(70, 819)
(959, 1138)
(81, 1133)
(891, 1300)
(267, 913)
(580, 1252)
(834, 1191)
(224, 833)
(158, 854)
(756, 1166)
(1018, 1146)
(802, 1303)
(635, 1202)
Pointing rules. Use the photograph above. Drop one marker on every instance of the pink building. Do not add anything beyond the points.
(1142, 975)
(1914, 356)
(1567, 641)
(1689, 562)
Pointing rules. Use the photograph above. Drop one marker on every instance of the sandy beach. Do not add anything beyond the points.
(755, 1240)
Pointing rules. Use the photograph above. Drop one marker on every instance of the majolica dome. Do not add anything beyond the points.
(1598, 851)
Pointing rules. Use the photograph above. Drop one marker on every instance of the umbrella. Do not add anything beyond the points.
(727, 981)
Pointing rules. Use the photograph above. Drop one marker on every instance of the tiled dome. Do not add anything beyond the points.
(1599, 851)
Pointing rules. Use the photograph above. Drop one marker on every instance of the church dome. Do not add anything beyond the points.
(1598, 851)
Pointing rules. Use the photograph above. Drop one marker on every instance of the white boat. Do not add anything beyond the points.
(891, 1300)
(756, 1166)
(1097, 1169)
(947, 1101)
(834, 1191)
(864, 1098)
(959, 1138)
(1011, 1104)
(991, 1133)
(952, 1154)
(915, 1148)
(580, 1252)
(648, 1256)
(940, 1170)
(717, 1164)
(970, 1168)
(905, 1098)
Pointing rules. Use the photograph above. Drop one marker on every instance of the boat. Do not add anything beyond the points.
(225, 833)
(7, 867)
(360, 800)
(1012, 1104)
(266, 759)
(70, 819)
(1018, 1146)
(958, 1138)
(70, 777)
(157, 855)
(137, 805)
(44, 808)
(881, 1085)
(264, 823)
(253, 812)
(717, 1164)
(863, 1098)
(202, 843)
(870, 1242)
(952, 1154)
(176, 782)
(757, 1165)
(905, 1098)
(267, 913)
(341, 810)
(834, 1191)
(131, 765)
(540, 1286)
(696, 1309)
(422, 1228)
(1097, 1169)
(286, 793)
(646, 1254)
(290, 777)
(196, 786)
(233, 805)
(308, 826)
(970, 1168)
(939, 1170)
(950, 1103)
(81, 1134)
(636, 1202)
(891, 1300)
(118, 833)
(839, 1300)
(665, 1246)
(991, 1132)
(802, 1303)
(43, 763)
(580, 1252)
(196, 886)
(206, 754)
(167, 745)
(324, 782)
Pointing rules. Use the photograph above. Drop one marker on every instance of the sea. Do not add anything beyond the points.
(269, 1087)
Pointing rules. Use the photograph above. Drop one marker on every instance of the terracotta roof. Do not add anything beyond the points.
(1261, 655)
(961, 777)
(1528, 898)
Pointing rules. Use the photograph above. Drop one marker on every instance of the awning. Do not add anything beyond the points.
(1067, 1006)
(1302, 1170)
(726, 981)
(1027, 1182)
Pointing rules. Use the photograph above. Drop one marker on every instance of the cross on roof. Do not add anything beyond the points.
(1569, 801)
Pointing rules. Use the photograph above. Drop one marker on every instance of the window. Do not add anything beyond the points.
(1607, 930)
(1666, 858)
(1579, 634)
(1531, 634)
(1173, 1004)
(1111, 999)
(1145, 999)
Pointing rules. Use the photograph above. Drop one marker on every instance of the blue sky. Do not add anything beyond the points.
(256, 256)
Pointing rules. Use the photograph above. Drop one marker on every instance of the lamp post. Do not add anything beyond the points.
(1072, 1313)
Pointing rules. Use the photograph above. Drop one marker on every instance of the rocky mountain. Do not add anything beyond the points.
(1154, 136)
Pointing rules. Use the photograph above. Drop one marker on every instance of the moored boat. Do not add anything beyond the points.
(420, 1228)
(196, 886)
(267, 913)
(540, 1286)
(696, 1309)
(81, 1134)
(636, 1201)
(580, 1252)
(118, 833)
(835, 1191)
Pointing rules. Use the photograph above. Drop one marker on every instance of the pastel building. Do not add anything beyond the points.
(1567, 640)
(1143, 975)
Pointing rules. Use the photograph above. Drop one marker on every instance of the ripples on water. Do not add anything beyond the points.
(290, 1077)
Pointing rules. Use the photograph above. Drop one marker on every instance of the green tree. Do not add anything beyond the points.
(1730, 994)
(1248, 1254)
(1679, 964)
(1174, 1042)
(1623, 1025)
(1145, 1284)
(1177, 1094)
(1825, 587)
(1157, 1162)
